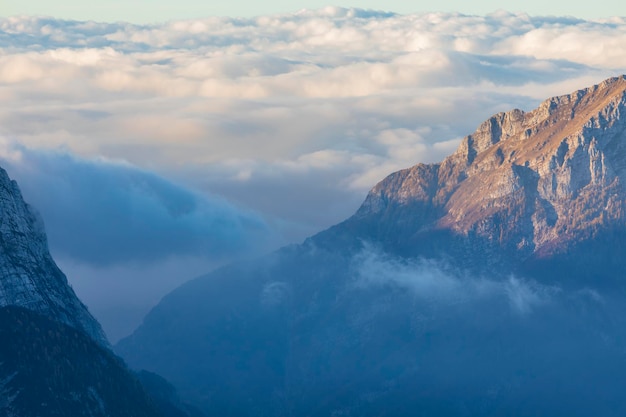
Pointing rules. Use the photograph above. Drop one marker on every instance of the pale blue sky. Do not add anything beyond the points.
(146, 11)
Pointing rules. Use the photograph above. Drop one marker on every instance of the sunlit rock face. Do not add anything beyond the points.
(29, 277)
(491, 283)
(535, 183)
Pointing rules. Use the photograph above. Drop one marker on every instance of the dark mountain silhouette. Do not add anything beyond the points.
(50, 369)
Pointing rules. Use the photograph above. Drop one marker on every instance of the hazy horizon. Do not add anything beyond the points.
(159, 11)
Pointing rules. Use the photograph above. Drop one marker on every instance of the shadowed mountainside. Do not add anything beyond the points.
(491, 283)
(50, 369)
(54, 357)
(29, 276)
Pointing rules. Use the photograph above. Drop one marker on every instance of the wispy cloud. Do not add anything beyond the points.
(436, 283)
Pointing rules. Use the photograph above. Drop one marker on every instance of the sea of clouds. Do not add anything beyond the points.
(272, 127)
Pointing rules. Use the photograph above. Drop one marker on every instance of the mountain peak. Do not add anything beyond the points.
(534, 182)
(562, 115)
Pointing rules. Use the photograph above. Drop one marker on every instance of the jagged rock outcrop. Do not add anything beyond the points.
(534, 182)
(29, 277)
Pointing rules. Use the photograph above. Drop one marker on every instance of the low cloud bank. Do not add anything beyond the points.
(104, 212)
(125, 236)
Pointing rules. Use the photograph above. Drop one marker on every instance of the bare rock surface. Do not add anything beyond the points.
(535, 182)
(29, 277)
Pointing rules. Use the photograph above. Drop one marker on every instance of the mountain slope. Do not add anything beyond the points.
(50, 369)
(54, 357)
(489, 284)
(28, 275)
(532, 182)
(526, 190)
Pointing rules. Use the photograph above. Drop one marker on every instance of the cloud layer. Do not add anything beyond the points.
(294, 116)
(330, 100)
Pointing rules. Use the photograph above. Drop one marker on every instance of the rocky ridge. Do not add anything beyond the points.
(532, 182)
(29, 276)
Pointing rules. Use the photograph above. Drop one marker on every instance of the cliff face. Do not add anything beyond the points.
(534, 182)
(29, 277)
